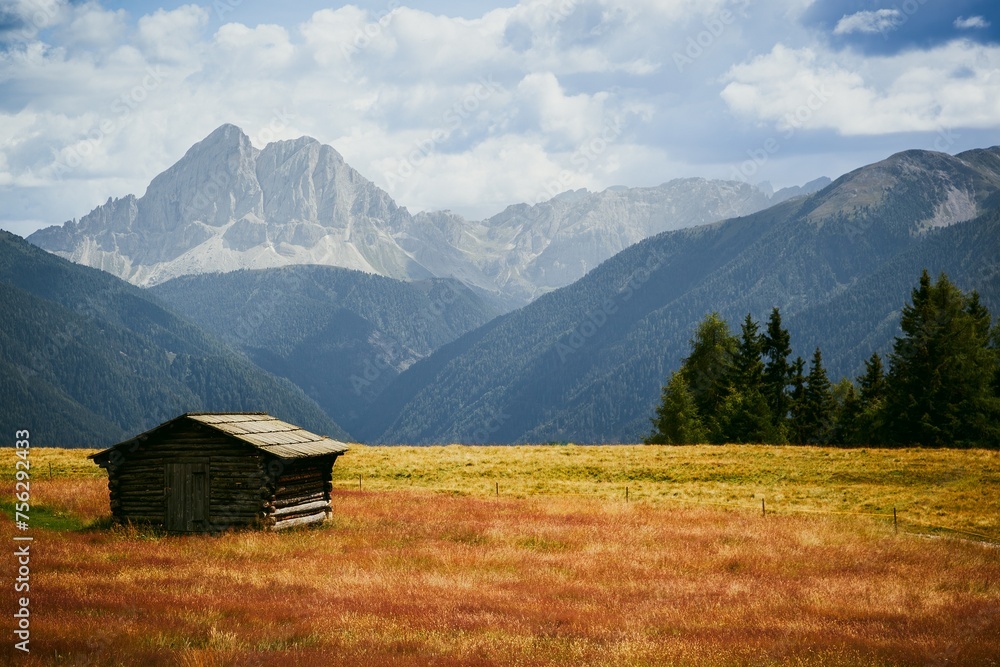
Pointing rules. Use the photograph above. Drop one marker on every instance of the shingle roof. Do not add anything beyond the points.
(259, 430)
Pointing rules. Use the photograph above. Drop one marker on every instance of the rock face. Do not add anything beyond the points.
(227, 205)
(527, 251)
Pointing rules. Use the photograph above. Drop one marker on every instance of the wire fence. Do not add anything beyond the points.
(899, 521)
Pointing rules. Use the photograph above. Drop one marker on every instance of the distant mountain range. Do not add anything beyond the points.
(586, 362)
(226, 205)
(415, 355)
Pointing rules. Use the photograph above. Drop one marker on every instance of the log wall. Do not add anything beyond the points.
(300, 492)
(238, 482)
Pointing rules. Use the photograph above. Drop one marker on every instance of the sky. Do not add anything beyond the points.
(473, 106)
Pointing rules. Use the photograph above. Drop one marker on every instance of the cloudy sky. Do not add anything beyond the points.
(475, 105)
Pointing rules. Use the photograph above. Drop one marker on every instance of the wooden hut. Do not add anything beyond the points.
(208, 472)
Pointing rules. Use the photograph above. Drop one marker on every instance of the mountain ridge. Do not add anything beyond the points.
(89, 359)
(340, 335)
(226, 205)
(586, 362)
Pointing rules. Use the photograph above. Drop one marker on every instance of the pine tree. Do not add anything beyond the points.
(848, 413)
(797, 403)
(872, 383)
(940, 385)
(708, 368)
(745, 416)
(747, 368)
(869, 421)
(677, 421)
(776, 348)
(819, 408)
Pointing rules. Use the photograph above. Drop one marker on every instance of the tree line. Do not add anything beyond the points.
(941, 387)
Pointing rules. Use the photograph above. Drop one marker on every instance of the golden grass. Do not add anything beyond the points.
(928, 487)
(430, 569)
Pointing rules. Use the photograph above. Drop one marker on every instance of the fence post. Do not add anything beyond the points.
(895, 526)
(626, 494)
(763, 512)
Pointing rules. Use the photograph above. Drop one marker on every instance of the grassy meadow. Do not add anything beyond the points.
(426, 564)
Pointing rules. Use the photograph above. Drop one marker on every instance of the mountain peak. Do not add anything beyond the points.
(925, 189)
(226, 135)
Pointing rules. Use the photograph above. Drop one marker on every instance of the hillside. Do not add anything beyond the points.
(586, 362)
(340, 335)
(88, 359)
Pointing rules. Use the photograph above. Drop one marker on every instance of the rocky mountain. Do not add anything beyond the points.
(586, 362)
(526, 251)
(87, 359)
(227, 205)
(340, 335)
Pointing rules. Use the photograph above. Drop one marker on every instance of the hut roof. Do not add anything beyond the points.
(257, 429)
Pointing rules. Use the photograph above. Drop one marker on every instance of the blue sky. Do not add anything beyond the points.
(471, 106)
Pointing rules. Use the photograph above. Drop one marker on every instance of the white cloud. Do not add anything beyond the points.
(560, 117)
(954, 85)
(971, 23)
(90, 26)
(173, 35)
(266, 47)
(880, 20)
(95, 102)
(29, 17)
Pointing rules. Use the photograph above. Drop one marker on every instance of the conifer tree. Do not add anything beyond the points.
(819, 408)
(872, 383)
(747, 367)
(677, 421)
(708, 368)
(868, 422)
(797, 403)
(776, 348)
(745, 416)
(848, 413)
(940, 390)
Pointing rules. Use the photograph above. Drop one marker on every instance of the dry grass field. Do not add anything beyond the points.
(426, 565)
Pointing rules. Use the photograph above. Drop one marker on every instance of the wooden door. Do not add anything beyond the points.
(187, 495)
